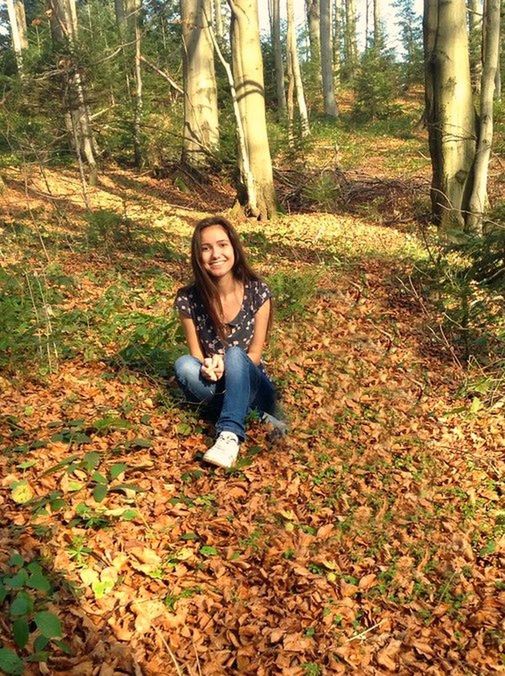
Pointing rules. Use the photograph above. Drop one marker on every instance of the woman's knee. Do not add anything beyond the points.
(186, 368)
(235, 356)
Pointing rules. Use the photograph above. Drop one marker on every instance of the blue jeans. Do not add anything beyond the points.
(243, 387)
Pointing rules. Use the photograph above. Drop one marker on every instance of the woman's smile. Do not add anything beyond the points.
(217, 253)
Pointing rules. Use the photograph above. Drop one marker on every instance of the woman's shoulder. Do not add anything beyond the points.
(259, 292)
(186, 299)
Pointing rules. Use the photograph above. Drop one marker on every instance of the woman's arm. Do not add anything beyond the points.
(195, 349)
(260, 332)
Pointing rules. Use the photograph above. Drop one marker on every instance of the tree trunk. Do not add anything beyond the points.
(279, 66)
(337, 39)
(350, 40)
(218, 20)
(376, 23)
(490, 57)
(248, 76)
(17, 20)
(201, 125)
(449, 109)
(77, 119)
(130, 30)
(330, 105)
(295, 69)
(475, 42)
(312, 8)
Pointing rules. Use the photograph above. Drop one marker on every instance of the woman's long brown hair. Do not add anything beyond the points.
(206, 284)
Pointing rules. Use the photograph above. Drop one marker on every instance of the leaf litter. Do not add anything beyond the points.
(369, 539)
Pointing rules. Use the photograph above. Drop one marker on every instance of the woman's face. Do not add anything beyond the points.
(217, 255)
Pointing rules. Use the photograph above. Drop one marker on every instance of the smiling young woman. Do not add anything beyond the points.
(226, 314)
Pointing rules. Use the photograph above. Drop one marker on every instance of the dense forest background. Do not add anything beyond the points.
(360, 153)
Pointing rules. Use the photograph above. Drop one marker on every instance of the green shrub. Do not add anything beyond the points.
(376, 85)
(293, 292)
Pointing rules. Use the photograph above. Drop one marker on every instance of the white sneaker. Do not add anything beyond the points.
(224, 452)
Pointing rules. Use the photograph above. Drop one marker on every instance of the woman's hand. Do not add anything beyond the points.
(213, 367)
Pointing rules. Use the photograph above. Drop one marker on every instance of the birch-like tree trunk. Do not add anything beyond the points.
(17, 20)
(377, 32)
(490, 58)
(475, 10)
(312, 9)
(249, 85)
(337, 39)
(64, 31)
(279, 65)
(330, 105)
(295, 72)
(449, 109)
(218, 20)
(350, 39)
(201, 125)
(132, 9)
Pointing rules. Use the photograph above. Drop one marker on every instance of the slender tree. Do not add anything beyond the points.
(330, 104)
(449, 109)
(201, 125)
(337, 39)
(257, 174)
(63, 17)
(17, 20)
(490, 59)
(377, 29)
(350, 39)
(294, 72)
(475, 27)
(278, 60)
(312, 9)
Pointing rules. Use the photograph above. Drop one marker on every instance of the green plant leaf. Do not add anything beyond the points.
(99, 492)
(117, 469)
(40, 643)
(10, 663)
(21, 605)
(16, 560)
(91, 461)
(206, 550)
(21, 632)
(21, 492)
(48, 624)
(16, 581)
(38, 581)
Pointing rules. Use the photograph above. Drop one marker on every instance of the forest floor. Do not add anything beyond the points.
(370, 540)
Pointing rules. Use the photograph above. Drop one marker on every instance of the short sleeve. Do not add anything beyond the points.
(183, 303)
(260, 294)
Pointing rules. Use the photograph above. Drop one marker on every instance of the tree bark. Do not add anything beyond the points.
(17, 19)
(337, 38)
(295, 72)
(475, 42)
(201, 125)
(279, 66)
(135, 8)
(350, 40)
(449, 109)
(490, 57)
(330, 105)
(64, 31)
(312, 8)
(248, 77)
(218, 20)
(376, 23)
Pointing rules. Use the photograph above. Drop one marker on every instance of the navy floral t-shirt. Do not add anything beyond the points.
(241, 329)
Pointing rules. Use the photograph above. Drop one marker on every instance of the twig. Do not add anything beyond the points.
(162, 638)
(197, 659)
(164, 75)
(363, 633)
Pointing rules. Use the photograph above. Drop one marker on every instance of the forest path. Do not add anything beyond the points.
(370, 538)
